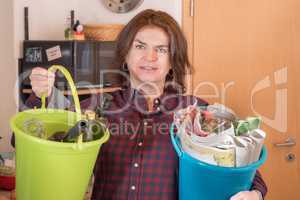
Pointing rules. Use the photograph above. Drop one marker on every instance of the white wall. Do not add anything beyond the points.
(7, 72)
(47, 17)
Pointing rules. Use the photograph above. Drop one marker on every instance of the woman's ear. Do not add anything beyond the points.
(170, 74)
(125, 67)
(126, 60)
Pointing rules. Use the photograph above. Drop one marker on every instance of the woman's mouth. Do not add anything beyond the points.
(148, 68)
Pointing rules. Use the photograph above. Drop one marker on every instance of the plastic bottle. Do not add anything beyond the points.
(81, 127)
(95, 131)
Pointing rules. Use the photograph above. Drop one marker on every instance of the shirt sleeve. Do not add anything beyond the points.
(259, 184)
(201, 102)
(32, 101)
(193, 100)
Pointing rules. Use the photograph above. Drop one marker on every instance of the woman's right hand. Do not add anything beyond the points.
(41, 81)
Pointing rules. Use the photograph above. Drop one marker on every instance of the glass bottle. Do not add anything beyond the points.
(68, 31)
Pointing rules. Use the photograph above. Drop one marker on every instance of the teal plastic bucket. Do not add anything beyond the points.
(202, 181)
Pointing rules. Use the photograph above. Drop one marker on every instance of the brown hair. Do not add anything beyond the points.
(178, 44)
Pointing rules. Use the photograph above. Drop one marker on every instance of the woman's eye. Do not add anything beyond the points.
(139, 46)
(162, 50)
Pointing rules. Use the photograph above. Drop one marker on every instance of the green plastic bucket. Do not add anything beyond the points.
(48, 170)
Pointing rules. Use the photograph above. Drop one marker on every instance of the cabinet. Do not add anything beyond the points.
(85, 60)
(90, 64)
(246, 55)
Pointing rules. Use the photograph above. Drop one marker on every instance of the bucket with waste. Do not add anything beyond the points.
(47, 170)
(200, 180)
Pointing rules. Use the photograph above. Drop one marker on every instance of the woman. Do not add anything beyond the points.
(138, 162)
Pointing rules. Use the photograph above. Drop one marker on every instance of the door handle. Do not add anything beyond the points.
(288, 143)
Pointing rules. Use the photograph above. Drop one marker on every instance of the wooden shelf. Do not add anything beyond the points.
(86, 91)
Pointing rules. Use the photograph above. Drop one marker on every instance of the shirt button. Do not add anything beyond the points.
(158, 108)
(132, 187)
(156, 101)
(145, 123)
(140, 144)
(136, 165)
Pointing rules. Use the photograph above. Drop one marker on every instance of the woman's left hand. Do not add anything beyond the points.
(246, 195)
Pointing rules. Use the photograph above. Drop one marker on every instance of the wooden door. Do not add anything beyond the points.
(246, 55)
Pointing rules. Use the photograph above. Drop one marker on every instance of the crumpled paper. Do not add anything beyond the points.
(217, 136)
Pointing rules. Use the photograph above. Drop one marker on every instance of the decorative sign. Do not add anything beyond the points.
(33, 55)
(53, 53)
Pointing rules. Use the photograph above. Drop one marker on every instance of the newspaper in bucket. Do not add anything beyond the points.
(217, 136)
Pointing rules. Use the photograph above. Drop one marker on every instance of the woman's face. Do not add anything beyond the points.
(148, 58)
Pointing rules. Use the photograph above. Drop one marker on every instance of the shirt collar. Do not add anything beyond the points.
(168, 100)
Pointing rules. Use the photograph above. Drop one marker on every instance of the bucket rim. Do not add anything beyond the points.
(18, 131)
(183, 155)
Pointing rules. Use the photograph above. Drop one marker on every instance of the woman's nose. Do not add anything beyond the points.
(151, 55)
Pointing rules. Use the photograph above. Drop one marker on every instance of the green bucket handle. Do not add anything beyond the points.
(74, 93)
(70, 81)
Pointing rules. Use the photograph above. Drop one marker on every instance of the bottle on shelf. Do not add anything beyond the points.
(68, 30)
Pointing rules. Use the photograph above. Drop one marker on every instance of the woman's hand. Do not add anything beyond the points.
(246, 195)
(41, 81)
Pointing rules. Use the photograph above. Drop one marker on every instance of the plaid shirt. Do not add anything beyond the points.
(139, 162)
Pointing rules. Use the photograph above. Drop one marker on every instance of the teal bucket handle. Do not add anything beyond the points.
(175, 141)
